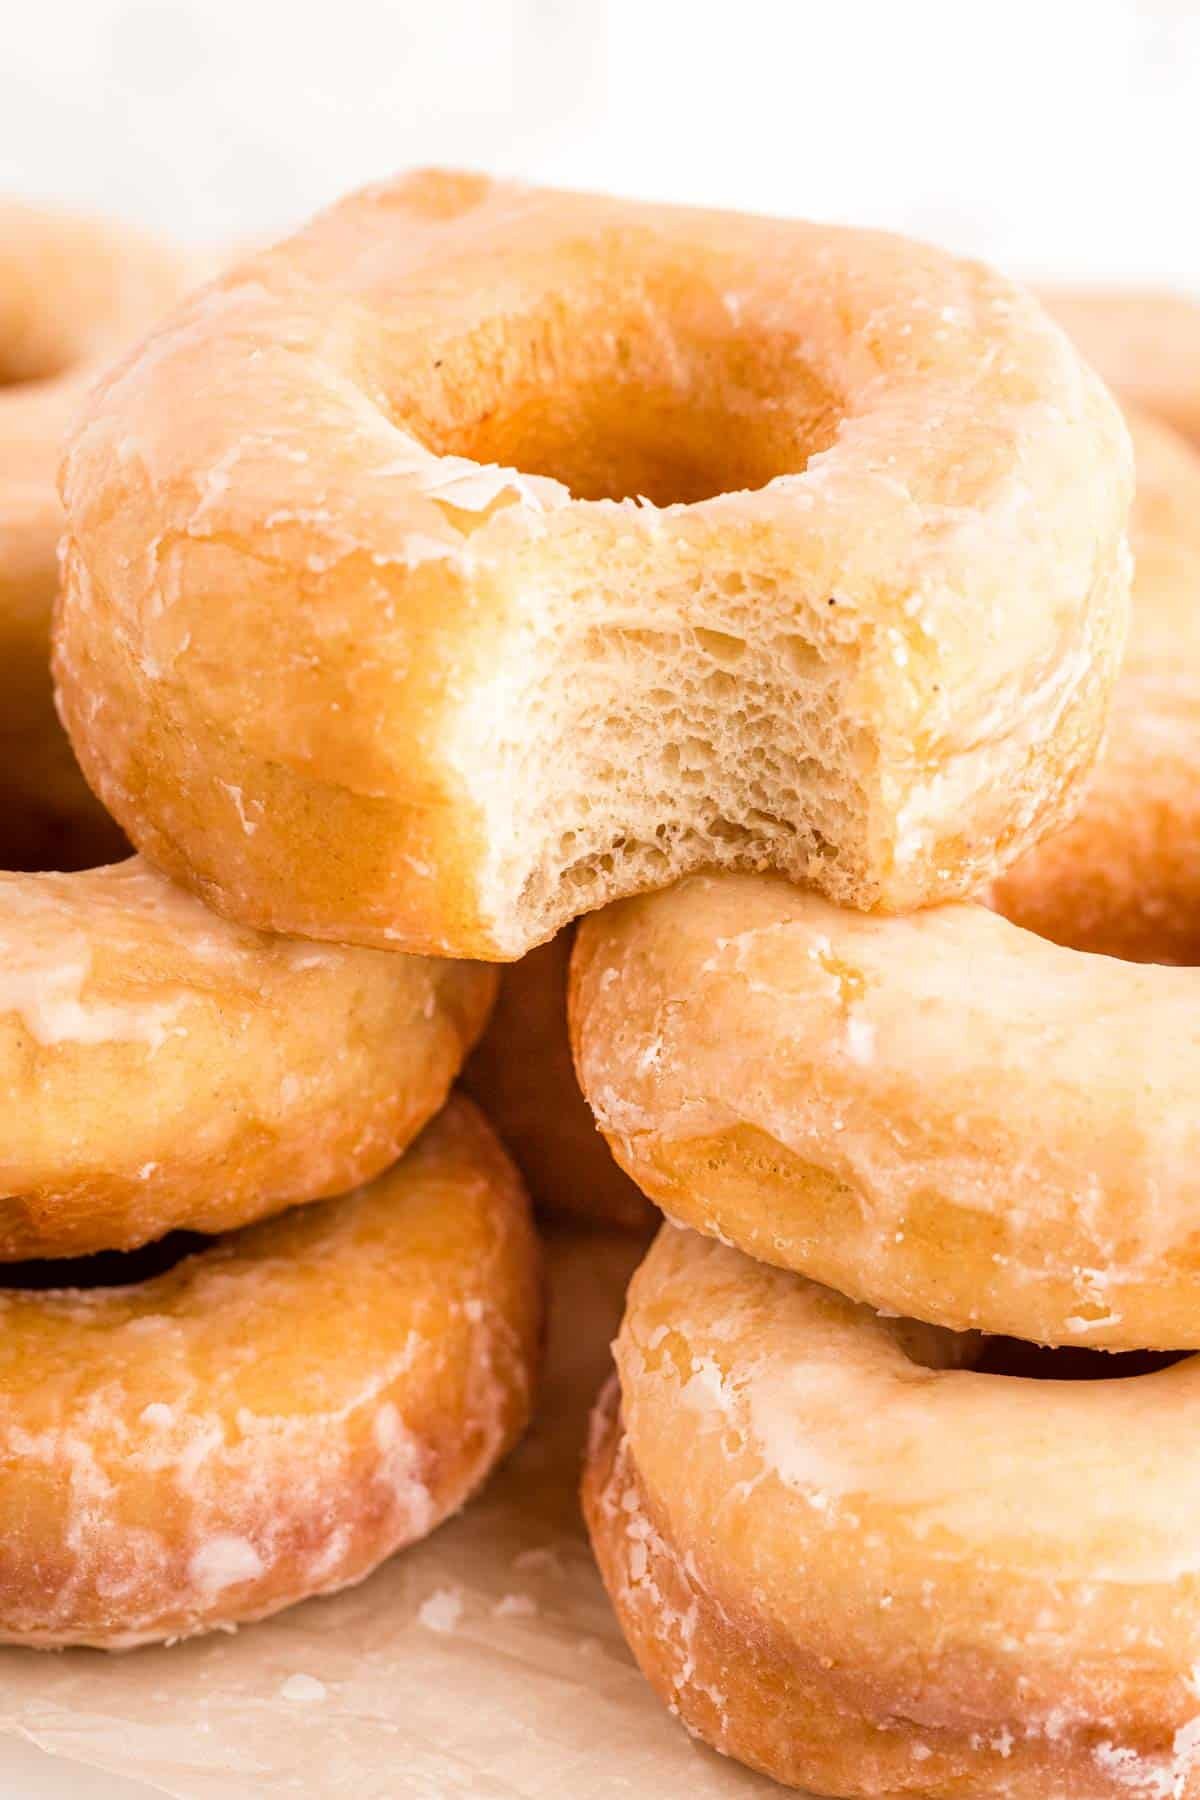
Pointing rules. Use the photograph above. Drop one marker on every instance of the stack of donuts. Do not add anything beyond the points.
(481, 558)
(216, 1397)
(892, 1489)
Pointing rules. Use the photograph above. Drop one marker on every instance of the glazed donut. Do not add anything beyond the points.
(1146, 344)
(940, 1114)
(1124, 878)
(73, 292)
(272, 1417)
(522, 1075)
(944, 1115)
(162, 1068)
(337, 665)
(847, 1559)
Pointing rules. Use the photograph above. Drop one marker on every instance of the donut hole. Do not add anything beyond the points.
(42, 841)
(985, 1353)
(667, 394)
(48, 318)
(38, 353)
(646, 444)
(104, 1269)
(1022, 1361)
(49, 820)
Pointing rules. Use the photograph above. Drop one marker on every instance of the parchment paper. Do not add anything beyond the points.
(485, 1662)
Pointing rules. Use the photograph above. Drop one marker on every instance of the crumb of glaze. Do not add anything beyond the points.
(541, 1559)
(224, 1561)
(515, 1606)
(442, 1611)
(303, 1688)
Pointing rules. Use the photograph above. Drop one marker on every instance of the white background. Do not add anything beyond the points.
(1055, 136)
(1059, 137)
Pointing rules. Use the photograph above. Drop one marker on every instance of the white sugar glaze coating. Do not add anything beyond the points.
(844, 1556)
(160, 1067)
(832, 582)
(273, 1416)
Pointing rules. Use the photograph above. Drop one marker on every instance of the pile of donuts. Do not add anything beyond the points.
(481, 559)
(271, 1303)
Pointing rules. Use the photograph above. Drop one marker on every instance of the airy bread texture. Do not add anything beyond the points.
(162, 1067)
(522, 1075)
(846, 1557)
(482, 554)
(1123, 879)
(1145, 344)
(940, 1114)
(273, 1416)
(73, 292)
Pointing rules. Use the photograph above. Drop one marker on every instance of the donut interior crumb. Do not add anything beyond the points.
(663, 762)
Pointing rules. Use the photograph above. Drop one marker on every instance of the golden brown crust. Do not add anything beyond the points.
(73, 292)
(877, 1578)
(329, 664)
(273, 1417)
(1123, 879)
(164, 1068)
(940, 1114)
(522, 1075)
